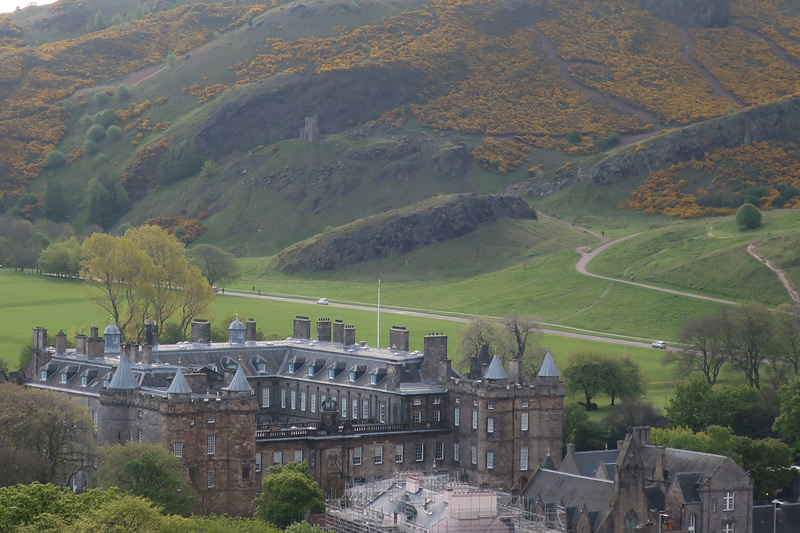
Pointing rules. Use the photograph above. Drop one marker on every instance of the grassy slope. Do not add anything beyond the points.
(33, 300)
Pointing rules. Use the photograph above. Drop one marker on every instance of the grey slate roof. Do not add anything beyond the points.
(111, 329)
(549, 369)
(179, 384)
(236, 324)
(560, 488)
(587, 461)
(687, 481)
(239, 382)
(496, 370)
(123, 376)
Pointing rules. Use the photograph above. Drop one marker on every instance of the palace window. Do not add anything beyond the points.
(357, 456)
(365, 409)
(265, 397)
(474, 454)
(258, 461)
(344, 407)
(283, 398)
(524, 422)
(440, 451)
(457, 417)
(417, 417)
(313, 402)
(474, 419)
(490, 425)
(210, 475)
(277, 458)
(728, 527)
(294, 399)
(378, 454)
(177, 449)
(211, 444)
(456, 451)
(419, 452)
(398, 453)
(489, 460)
(727, 501)
(302, 400)
(437, 416)
(298, 456)
(523, 458)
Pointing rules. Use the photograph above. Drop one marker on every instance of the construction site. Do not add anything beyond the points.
(413, 502)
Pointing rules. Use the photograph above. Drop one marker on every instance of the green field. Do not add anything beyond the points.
(33, 300)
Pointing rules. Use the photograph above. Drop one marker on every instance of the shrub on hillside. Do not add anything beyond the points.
(113, 132)
(122, 93)
(54, 159)
(748, 217)
(105, 118)
(96, 133)
(89, 147)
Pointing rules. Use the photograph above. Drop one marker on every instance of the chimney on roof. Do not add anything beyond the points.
(349, 335)
(250, 330)
(94, 332)
(398, 338)
(61, 342)
(80, 344)
(201, 331)
(641, 435)
(338, 331)
(150, 332)
(95, 347)
(131, 350)
(515, 370)
(661, 453)
(324, 330)
(302, 327)
(147, 354)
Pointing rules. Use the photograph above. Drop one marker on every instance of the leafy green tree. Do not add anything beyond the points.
(625, 378)
(216, 524)
(706, 346)
(61, 258)
(787, 425)
(214, 263)
(33, 503)
(180, 163)
(54, 203)
(113, 132)
(586, 372)
(50, 429)
(96, 133)
(89, 147)
(122, 92)
(751, 331)
(698, 405)
(149, 471)
(126, 514)
(748, 216)
(54, 159)
(107, 200)
(99, 21)
(304, 527)
(287, 492)
(630, 414)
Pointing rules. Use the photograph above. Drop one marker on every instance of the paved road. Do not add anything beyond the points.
(465, 318)
(587, 256)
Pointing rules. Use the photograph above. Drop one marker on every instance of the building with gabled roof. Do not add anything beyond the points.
(352, 412)
(640, 485)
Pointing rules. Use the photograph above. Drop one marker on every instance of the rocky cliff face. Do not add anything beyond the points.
(400, 231)
(274, 110)
(752, 125)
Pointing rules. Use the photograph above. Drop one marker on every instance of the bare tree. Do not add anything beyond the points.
(478, 332)
(705, 349)
(750, 334)
(787, 338)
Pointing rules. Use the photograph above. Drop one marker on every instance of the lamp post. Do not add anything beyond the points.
(775, 503)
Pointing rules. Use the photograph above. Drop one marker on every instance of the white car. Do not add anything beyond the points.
(322, 301)
(661, 345)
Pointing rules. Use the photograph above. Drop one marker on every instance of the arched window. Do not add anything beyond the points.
(631, 521)
(692, 528)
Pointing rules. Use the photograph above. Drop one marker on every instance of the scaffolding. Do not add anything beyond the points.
(354, 513)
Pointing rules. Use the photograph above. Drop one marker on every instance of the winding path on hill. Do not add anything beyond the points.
(717, 89)
(784, 279)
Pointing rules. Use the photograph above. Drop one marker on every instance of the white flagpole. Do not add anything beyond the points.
(378, 343)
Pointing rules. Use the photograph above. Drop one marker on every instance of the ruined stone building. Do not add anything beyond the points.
(352, 412)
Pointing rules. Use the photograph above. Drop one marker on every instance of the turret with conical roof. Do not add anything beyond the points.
(239, 382)
(495, 370)
(113, 339)
(123, 376)
(179, 388)
(549, 369)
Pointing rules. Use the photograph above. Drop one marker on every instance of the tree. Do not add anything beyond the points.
(748, 216)
(54, 203)
(625, 378)
(126, 514)
(697, 405)
(61, 258)
(122, 92)
(630, 414)
(27, 504)
(96, 133)
(46, 426)
(586, 372)
(54, 159)
(149, 471)
(704, 347)
(107, 200)
(750, 334)
(787, 425)
(303, 527)
(522, 330)
(214, 263)
(287, 492)
(787, 336)
(144, 274)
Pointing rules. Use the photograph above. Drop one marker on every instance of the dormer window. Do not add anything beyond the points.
(373, 379)
(352, 375)
(310, 371)
(262, 367)
(291, 367)
(331, 373)
(84, 381)
(64, 377)
(105, 383)
(44, 375)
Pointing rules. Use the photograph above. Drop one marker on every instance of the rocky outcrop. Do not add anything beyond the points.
(691, 13)
(274, 110)
(692, 142)
(400, 231)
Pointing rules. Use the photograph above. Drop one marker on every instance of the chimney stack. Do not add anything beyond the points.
(324, 329)
(201, 331)
(61, 342)
(302, 327)
(338, 331)
(398, 338)
(80, 344)
(349, 335)
(147, 354)
(150, 332)
(95, 347)
(250, 330)
(131, 350)
(515, 370)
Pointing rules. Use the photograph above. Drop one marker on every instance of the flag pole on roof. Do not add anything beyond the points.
(378, 340)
